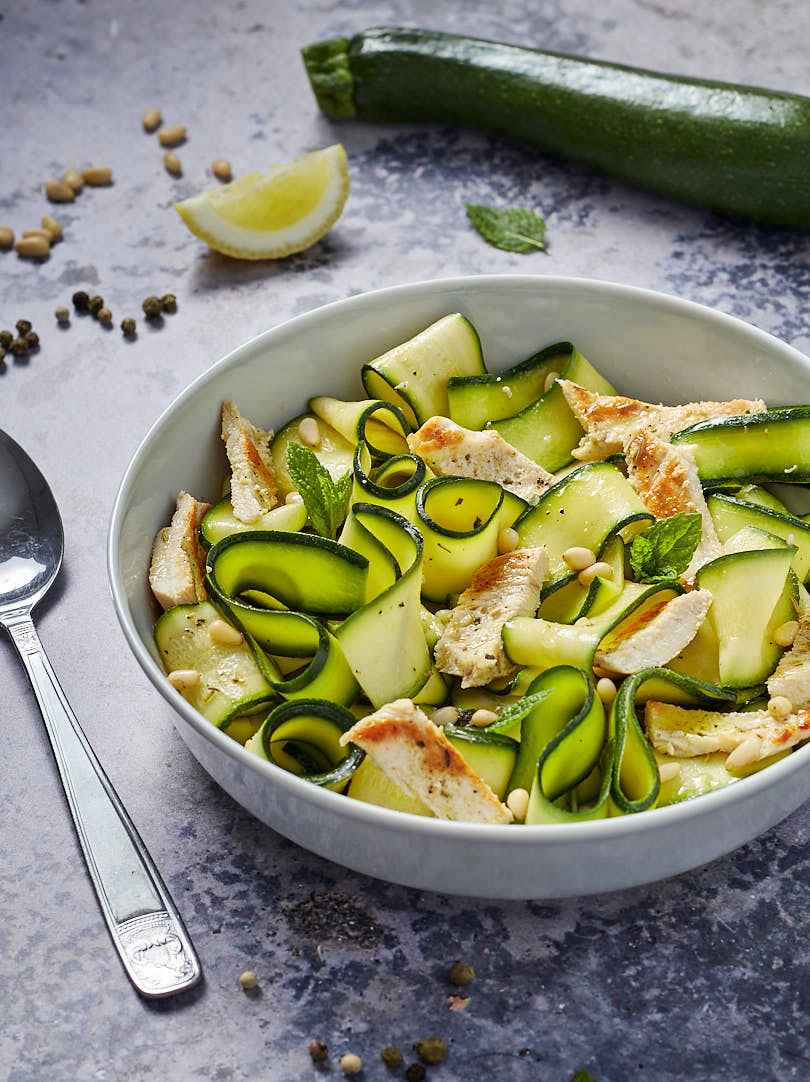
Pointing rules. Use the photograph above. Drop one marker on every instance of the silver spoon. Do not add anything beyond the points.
(144, 923)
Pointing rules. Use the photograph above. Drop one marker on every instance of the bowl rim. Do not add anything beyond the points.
(605, 830)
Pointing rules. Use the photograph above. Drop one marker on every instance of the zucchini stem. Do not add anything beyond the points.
(327, 64)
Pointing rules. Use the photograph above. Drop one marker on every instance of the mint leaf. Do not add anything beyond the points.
(513, 229)
(517, 712)
(583, 1076)
(665, 548)
(343, 488)
(324, 499)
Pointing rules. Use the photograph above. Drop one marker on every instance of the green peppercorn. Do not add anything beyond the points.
(18, 347)
(152, 307)
(318, 1051)
(62, 315)
(461, 974)
(104, 315)
(415, 1073)
(391, 1056)
(168, 302)
(23, 325)
(128, 326)
(32, 338)
(431, 1050)
(2, 355)
(81, 301)
(95, 304)
(5, 339)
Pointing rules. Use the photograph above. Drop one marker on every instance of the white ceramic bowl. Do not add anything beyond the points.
(649, 345)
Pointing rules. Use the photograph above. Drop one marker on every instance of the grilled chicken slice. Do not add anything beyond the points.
(177, 569)
(665, 477)
(610, 420)
(449, 449)
(791, 677)
(506, 586)
(416, 755)
(659, 639)
(253, 481)
(748, 736)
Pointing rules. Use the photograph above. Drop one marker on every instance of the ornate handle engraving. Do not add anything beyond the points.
(158, 952)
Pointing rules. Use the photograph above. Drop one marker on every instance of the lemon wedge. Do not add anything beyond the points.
(268, 216)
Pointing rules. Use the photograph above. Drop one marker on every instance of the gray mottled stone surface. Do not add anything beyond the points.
(699, 978)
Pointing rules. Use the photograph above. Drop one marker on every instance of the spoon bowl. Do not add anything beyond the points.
(142, 919)
(31, 535)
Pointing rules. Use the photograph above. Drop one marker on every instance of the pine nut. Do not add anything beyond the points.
(482, 718)
(600, 569)
(52, 227)
(73, 179)
(518, 804)
(151, 120)
(744, 754)
(225, 634)
(59, 192)
(221, 169)
(606, 689)
(780, 707)
(172, 163)
(308, 432)
(37, 232)
(351, 1064)
(578, 558)
(445, 715)
(668, 771)
(172, 136)
(33, 247)
(6, 237)
(786, 633)
(550, 380)
(184, 679)
(508, 540)
(294, 497)
(97, 175)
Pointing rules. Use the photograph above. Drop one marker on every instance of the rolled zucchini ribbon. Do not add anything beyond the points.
(564, 762)
(381, 424)
(393, 484)
(460, 519)
(303, 737)
(636, 780)
(383, 640)
(262, 580)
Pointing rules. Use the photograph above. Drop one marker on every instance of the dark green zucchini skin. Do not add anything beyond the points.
(735, 149)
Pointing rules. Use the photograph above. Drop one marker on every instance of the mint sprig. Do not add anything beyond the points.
(665, 549)
(517, 712)
(513, 229)
(324, 499)
(583, 1076)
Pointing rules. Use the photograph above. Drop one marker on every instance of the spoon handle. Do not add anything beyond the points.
(144, 923)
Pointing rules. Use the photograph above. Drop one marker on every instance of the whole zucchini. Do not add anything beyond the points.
(735, 149)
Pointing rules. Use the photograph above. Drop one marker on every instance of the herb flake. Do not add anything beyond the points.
(513, 229)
